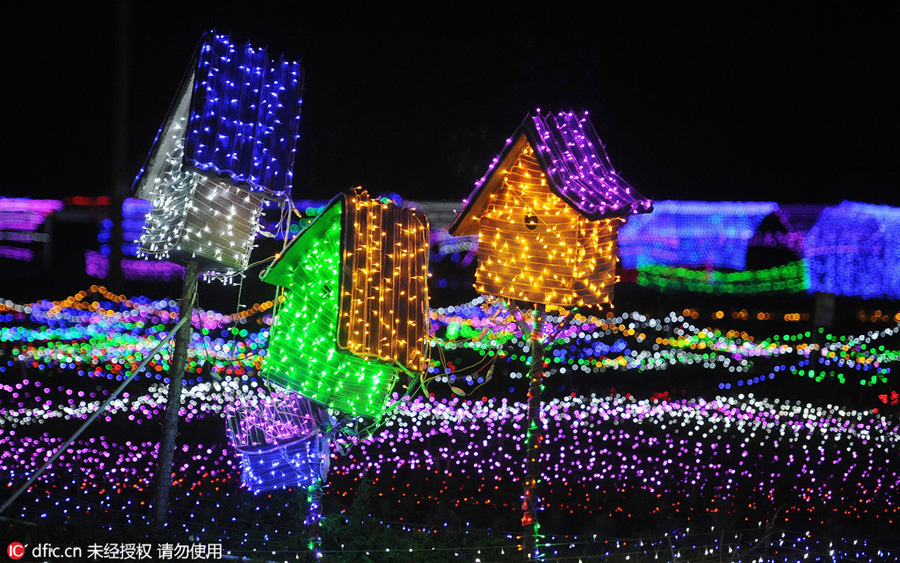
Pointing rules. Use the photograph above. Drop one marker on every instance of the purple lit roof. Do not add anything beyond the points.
(575, 162)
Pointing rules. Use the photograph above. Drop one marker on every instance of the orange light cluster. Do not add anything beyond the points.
(535, 247)
(384, 289)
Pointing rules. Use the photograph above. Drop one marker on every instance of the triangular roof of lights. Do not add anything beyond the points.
(576, 164)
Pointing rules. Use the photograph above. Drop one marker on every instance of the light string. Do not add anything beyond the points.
(42, 332)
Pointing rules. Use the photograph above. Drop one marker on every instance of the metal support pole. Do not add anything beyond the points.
(534, 437)
(173, 402)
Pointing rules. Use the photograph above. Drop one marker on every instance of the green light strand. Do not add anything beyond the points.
(789, 278)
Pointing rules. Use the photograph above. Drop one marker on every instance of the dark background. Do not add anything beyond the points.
(728, 101)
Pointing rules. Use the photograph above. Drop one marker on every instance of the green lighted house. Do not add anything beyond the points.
(355, 304)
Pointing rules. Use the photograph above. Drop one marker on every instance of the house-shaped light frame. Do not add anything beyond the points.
(355, 304)
(547, 214)
(854, 250)
(228, 142)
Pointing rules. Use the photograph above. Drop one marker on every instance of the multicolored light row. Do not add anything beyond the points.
(103, 334)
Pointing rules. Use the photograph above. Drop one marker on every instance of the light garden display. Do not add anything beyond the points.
(739, 458)
(228, 143)
(355, 304)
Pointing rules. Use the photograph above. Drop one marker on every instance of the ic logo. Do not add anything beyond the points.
(15, 550)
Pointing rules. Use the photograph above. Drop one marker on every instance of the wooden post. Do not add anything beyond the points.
(534, 436)
(173, 402)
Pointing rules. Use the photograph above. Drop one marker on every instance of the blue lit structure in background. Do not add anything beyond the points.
(854, 249)
(710, 234)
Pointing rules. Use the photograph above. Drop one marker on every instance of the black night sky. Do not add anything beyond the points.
(731, 101)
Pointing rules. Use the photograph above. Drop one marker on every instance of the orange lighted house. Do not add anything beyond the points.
(547, 215)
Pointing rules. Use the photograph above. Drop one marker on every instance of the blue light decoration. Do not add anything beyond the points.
(711, 234)
(300, 463)
(133, 212)
(237, 115)
(227, 145)
(282, 438)
(854, 250)
(245, 114)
